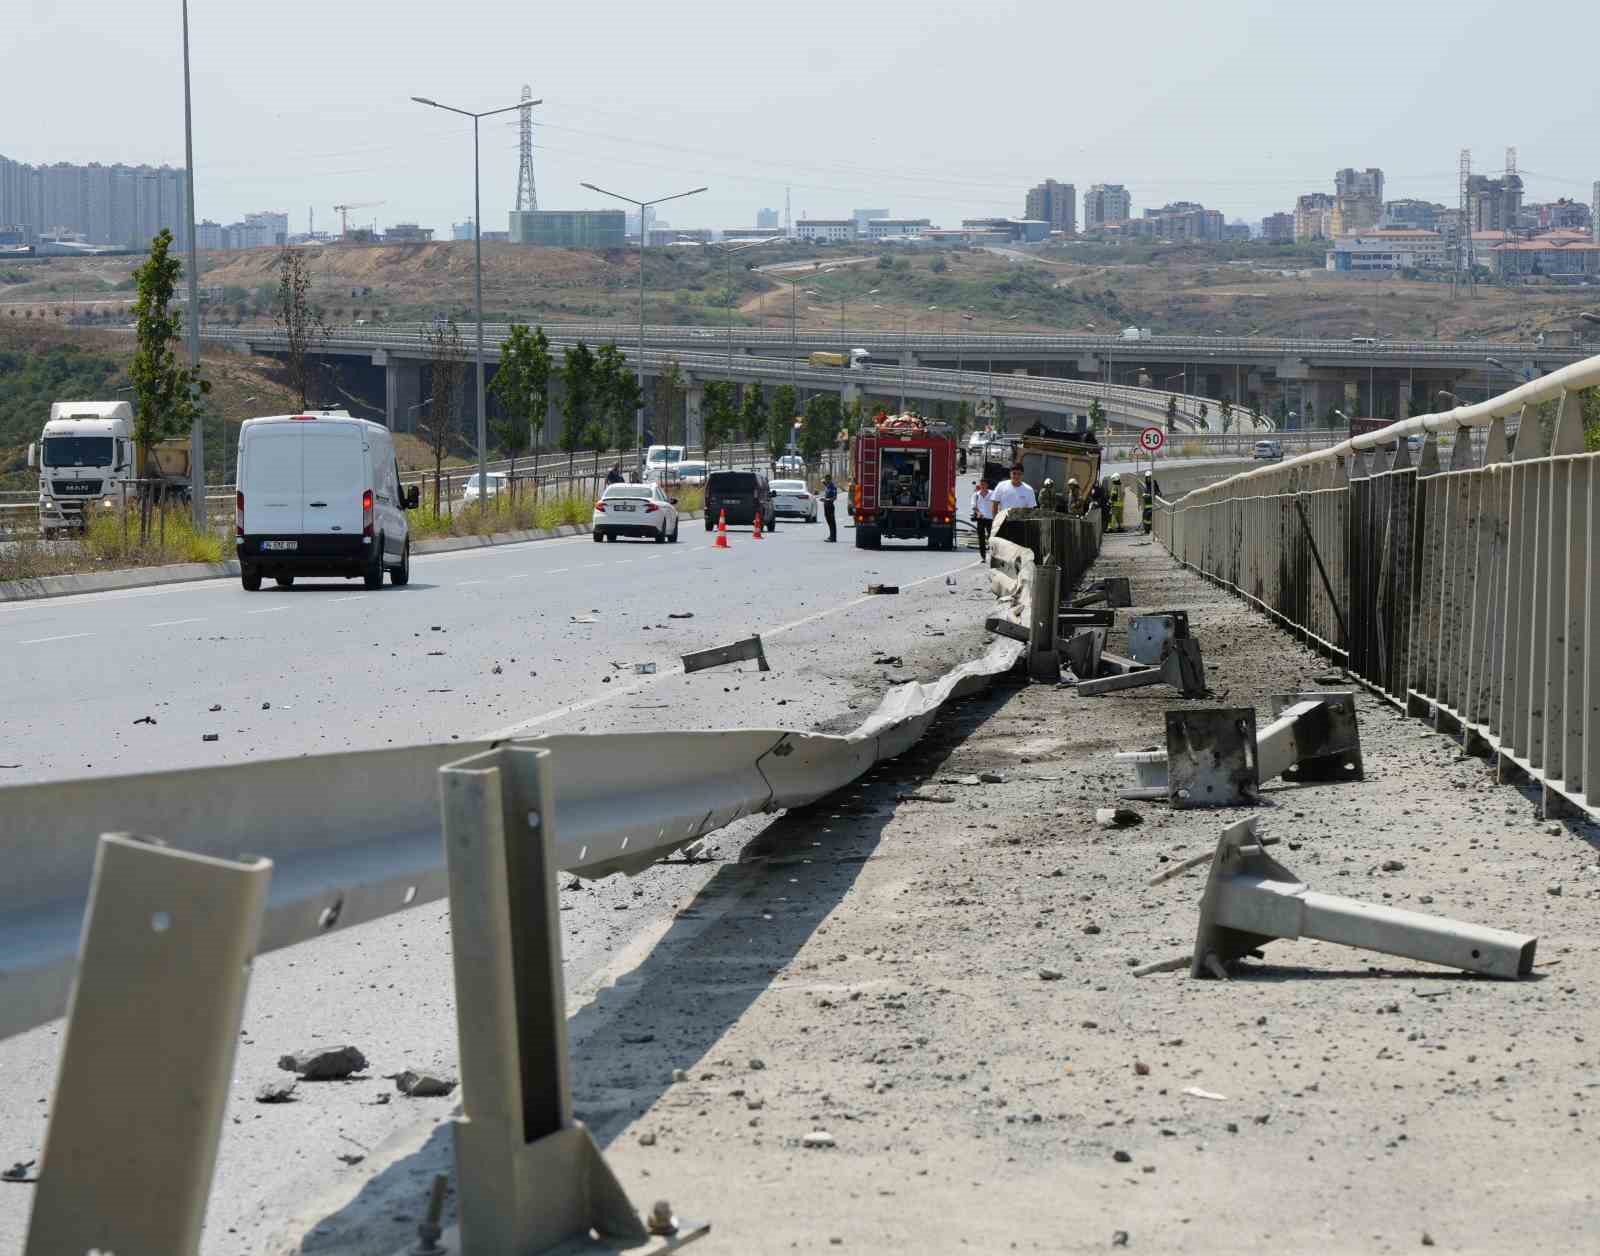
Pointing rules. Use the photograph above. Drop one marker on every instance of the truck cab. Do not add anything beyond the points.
(86, 446)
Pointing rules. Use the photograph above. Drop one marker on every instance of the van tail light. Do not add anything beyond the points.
(238, 514)
(600, 506)
(366, 513)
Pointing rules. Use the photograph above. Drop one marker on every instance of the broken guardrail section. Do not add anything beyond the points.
(1251, 899)
(738, 652)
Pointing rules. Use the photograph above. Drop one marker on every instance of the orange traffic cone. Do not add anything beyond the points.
(755, 534)
(722, 531)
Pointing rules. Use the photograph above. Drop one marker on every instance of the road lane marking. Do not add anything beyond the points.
(463, 583)
(353, 597)
(68, 636)
(268, 610)
(586, 566)
(173, 623)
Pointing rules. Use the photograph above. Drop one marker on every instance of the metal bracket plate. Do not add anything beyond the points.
(1150, 635)
(1211, 757)
(738, 652)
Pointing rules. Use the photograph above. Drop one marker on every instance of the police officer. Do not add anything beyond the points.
(830, 494)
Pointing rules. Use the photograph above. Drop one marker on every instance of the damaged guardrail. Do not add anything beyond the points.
(1465, 592)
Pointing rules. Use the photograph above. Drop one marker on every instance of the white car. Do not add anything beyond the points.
(677, 473)
(791, 497)
(319, 495)
(791, 464)
(636, 510)
(498, 484)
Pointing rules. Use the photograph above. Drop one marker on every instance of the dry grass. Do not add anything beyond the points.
(521, 513)
(111, 543)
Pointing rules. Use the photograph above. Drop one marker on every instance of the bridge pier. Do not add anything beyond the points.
(694, 398)
(402, 391)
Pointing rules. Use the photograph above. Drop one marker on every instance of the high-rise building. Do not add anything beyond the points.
(122, 206)
(461, 230)
(1420, 215)
(274, 225)
(1494, 204)
(1278, 228)
(1179, 220)
(1054, 203)
(766, 218)
(1357, 200)
(1105, 203)
(863, 217)
(570, 228)
(1364, 183)
(1313, 217)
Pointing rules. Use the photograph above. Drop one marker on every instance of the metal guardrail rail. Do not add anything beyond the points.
(1467, 591)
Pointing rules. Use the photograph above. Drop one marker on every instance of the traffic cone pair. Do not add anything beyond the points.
(722, 531)
(755, 534)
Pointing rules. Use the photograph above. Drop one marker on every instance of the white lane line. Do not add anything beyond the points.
(353, 597)
(173, 623)
(463, 583)
(621, 691)
(268, 610)
(519, 575)
(555, 571)
(69, 636)
(586, 566)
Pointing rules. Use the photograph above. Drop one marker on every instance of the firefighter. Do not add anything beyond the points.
(1098, 502)
(1047, 495)
(1074, 506)
(1116, 503)
(1148, 495)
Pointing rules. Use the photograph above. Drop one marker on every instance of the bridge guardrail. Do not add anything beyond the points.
(1468, 592)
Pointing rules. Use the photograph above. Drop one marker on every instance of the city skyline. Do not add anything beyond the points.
(363, 140)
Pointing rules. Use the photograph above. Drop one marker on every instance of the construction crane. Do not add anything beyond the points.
(344, 210)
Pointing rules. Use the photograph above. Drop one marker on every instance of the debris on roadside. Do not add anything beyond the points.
(883, 588)
(496, 670)
(416, 1085)
(922, 796)
(739, 651)
(644, 669)
(211, 737)
(276, 1092)
(324, 1064)
(215, 707)
(18, 1172)
(350, 1158)
(1117, 817)
(818, 1139)
(680, 614)
(888, 660)
(145, 719)
(1196, 1092)
(1050, 974)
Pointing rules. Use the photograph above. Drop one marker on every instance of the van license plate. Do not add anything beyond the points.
(280, 545)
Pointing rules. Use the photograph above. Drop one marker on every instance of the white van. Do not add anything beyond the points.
(319, 495)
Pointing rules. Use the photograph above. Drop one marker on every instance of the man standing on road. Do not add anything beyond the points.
(830, 494)
(1014, 492)
(614, 476)
(983, 515)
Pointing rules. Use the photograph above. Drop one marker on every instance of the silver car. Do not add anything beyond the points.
(793, 498)
(1268, 451)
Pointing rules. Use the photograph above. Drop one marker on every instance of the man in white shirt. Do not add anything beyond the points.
(1014, 492)
(983, 515)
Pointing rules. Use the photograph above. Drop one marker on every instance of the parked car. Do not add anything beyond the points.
(743, 495)
(793, 498)
(498, 483)
(319, 495)
(677, 473)
(791, 464)
(1268, 451)
(636, 510)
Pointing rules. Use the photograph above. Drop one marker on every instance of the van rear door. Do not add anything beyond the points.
(271, 481)
(335, 477)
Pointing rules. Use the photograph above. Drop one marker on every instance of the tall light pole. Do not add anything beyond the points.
(477, 263)
(197, 431)
(727, 276)
(644, 240)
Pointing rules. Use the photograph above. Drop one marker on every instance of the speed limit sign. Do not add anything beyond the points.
(1152, 438)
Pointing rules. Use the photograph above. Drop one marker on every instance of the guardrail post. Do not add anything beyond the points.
(528, 1176)
(1044, 659)
(148, 1055)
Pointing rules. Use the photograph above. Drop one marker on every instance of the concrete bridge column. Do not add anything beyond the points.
(402, 388)
(1319, 394)
(693, 404)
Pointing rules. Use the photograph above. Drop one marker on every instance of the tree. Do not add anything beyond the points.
(820, 427)
(1097, 415)
(300, 322)
(1255, 416)
(166, 395)
(1172, 413)
(963, 422)
(669, 387)
(1202, 412)
(1225, 409)
(617, 390)
(780, 420)
(578, 384)
(447, 359)
(753, 415)
(718, 418)
(522, 387)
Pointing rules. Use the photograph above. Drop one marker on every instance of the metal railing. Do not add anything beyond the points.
(1467, 591)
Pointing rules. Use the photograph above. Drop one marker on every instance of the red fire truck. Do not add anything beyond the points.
(905, 482)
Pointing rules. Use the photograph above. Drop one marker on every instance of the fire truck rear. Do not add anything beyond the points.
(904, 486)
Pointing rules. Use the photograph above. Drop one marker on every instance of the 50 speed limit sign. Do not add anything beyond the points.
(1151, 439)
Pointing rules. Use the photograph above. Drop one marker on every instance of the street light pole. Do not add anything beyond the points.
(644, 240)
(197, 431)
(477, 265)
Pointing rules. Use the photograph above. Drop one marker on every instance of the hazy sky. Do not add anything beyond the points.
(937, 110)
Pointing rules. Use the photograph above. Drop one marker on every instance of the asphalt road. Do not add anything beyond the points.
(345, 668)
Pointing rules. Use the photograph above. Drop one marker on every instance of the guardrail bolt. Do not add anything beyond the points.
(661, 1219)
(429, 1229)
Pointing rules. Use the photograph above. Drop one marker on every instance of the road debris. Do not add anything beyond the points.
(888, 660)
(416, 1085)
(145, 719)
(1050, 974)
(211, 737)
(818, 1139)
(324, 1064)
(680, 614)
(350, 1158)
(276, 1092)
(883, 588)
(1117, 817)
(215, 707)
(1195, 1092)
(18, 1172)
(644, 669)
(923, 796)
(717, 656)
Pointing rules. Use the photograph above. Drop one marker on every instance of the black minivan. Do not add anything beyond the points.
(742, 494)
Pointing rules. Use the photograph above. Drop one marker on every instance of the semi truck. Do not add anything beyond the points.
(903, 482)
(86, 456)
(856, 360)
